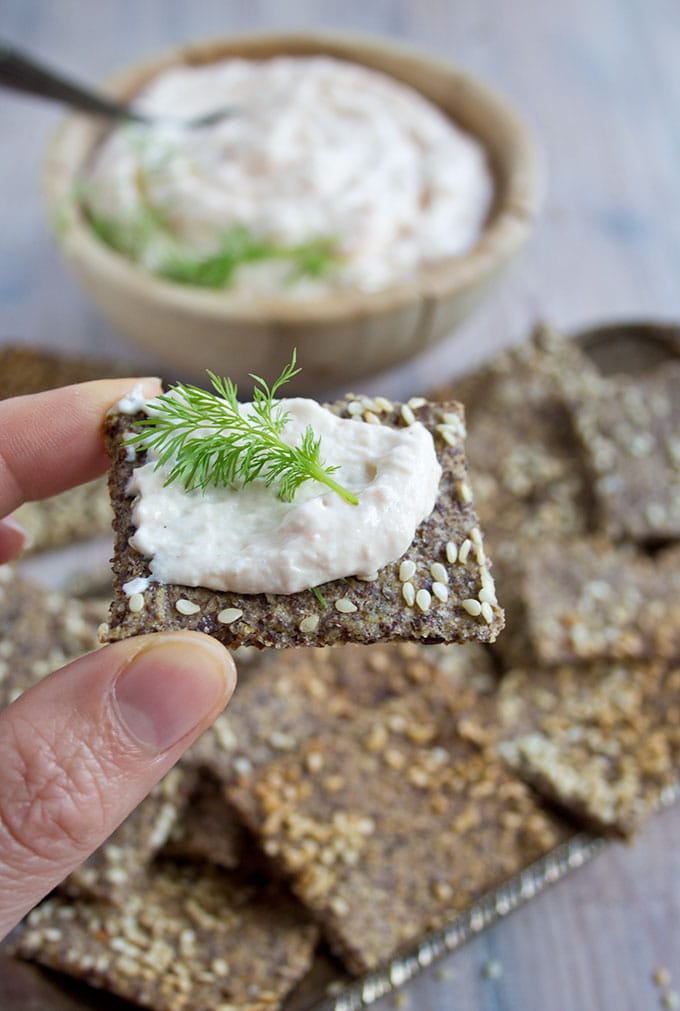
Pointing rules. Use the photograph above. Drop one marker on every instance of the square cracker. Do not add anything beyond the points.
(389, 825)
(526, 465)
(352, 610)
(587, 600)
(601, 740)
(629, 427)
(189, 939)
(527, 468)
(291, 693)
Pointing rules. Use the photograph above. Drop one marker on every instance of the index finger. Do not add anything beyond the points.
(53, 441)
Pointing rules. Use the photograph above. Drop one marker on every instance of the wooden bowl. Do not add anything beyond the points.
(340, 336)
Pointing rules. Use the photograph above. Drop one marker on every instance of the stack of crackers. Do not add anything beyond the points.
(354, 797)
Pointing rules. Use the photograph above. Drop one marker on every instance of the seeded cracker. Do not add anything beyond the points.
(79, 512)
(587, 600)
(189, 938)
(600, 740)
(352, 610)
(390, 824)
(527, 468)
(285, 700)
(630, 432)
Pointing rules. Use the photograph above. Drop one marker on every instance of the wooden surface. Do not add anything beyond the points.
(600, 82)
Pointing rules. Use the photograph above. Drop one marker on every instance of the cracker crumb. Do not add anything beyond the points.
(493, 969)
(445, 973)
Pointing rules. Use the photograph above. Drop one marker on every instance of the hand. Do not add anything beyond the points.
(80, 750)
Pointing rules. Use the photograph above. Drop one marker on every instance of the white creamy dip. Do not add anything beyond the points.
(250, 541)
(318, 148)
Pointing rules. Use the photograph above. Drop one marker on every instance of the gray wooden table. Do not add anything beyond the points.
(600, 82)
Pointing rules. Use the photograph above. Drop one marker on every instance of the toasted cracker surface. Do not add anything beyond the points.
(352, 610)
(601, 740)
(189, 938)
(587, 599)
(388, 825)
(284, 701)
(630, 432)
(527, 469)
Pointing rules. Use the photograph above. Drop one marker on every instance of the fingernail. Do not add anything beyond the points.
(171, 686)
(15, 536)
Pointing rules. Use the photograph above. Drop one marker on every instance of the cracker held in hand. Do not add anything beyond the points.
(439, 590)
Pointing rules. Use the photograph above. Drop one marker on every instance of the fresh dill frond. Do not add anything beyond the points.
(147, 230)
(204, 439)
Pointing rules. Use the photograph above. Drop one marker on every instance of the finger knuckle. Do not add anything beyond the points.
(52, 805)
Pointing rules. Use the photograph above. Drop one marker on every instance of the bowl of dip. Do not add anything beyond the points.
(361, 200)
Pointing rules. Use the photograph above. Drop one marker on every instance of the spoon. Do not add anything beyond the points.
(21, 73)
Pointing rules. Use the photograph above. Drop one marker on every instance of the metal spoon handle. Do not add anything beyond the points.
(21, 73)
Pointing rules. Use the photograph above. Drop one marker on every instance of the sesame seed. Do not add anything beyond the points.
(408, 592)
(310, 623)
(439, 573)
(383, 404)
(345, 605)
(487, 595)
(185, 606)
(472, 607)
(486, 577)
(355, 407)
(476, 536)
(371, 418)
(464, 492)
(671, 1000)
(451, 552)
(493, 969)
(441, 591)
(136, 603)
(455, 421)
(423, 600)
(408, 417)
(444, 974)
(487, 612)
(415, 402)
(407, 570)
(464, 551)
(339, 906)
(229, 615)
(661, 976)
(367, 577)
(450, 437)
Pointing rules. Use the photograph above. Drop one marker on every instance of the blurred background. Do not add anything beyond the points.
(597, 81)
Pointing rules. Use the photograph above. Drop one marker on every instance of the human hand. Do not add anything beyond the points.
(81, 749)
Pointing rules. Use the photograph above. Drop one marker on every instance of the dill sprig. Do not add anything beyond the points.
(205, 440)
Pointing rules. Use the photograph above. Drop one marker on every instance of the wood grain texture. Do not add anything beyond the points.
(600, 82)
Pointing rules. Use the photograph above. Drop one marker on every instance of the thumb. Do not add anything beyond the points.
(80, 750)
